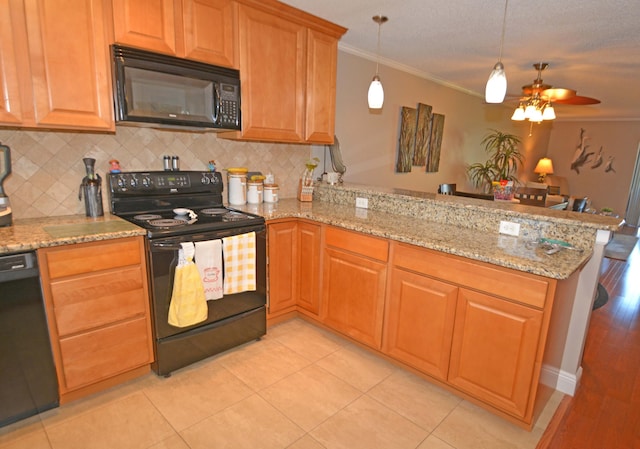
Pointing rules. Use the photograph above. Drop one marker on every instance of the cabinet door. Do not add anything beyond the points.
(209, 31)
(283, 272)
(309, 263)
(70, 64)
(147, 24)
(353, 295)
(15, 75)
(495, 344)
(272, 72)
(419, 318)
(322, 62)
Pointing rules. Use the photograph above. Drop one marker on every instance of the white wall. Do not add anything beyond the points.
(369, 139)
(618, 139)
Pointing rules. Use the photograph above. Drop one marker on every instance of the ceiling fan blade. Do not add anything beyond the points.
(578, 100)
(557, 94)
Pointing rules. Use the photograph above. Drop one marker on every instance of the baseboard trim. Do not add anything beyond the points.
(560, 380)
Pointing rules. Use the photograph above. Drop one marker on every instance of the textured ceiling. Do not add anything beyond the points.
(592, 46)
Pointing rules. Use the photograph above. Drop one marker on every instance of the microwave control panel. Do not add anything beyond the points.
(229, 104)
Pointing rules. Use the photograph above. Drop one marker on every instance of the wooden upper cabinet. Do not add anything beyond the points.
(14, 63)
(272, 72)
(202, 30)
(288, 64)
(210, 28)
(60, 56)
(147, 24)
(322, 66)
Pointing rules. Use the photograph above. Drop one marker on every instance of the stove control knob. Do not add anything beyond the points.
(122, 183)
(133, 183)
(205, 180)
(146, 182)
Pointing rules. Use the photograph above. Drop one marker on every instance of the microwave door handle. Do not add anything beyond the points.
(216, 102)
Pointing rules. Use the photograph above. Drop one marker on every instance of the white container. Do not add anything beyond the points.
(271, 193)
(237, 187)
(254, 192)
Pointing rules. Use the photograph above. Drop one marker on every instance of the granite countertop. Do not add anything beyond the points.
(519, 253)
(32, 233)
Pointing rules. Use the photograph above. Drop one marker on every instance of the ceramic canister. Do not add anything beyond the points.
(271, 193)
(254, 192)
(237, 186)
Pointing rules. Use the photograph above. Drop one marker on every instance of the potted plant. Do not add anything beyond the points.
(502, 165)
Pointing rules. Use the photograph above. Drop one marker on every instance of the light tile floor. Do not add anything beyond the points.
(300, 387)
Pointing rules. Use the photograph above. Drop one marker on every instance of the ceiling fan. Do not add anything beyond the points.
(536, 103)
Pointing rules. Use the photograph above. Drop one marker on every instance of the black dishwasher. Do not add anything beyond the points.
(28, 382)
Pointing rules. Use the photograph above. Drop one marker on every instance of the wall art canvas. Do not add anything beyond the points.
(435, 143)
(407, 140)
(423, 134)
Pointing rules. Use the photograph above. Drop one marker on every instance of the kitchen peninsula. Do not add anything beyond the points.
(429, 281)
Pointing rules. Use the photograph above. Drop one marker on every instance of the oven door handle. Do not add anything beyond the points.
(166, 246)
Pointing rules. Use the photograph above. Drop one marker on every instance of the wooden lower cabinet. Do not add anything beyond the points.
(294, 267)
(419, 317)
(355, 269)
(495, 344)
(96, 296)
(282, 266)
(309, 263)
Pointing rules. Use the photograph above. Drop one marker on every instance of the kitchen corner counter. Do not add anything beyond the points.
(461, 226)
(32, 233)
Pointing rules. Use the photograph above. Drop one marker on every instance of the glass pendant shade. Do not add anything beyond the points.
(376, 94)
(497, 85)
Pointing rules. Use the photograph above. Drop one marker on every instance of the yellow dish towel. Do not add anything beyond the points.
(188, 303)
(239, 263)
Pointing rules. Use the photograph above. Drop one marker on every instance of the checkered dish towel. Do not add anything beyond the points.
(239, 263)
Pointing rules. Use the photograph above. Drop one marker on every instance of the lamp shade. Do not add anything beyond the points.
(549, 113)
(376, 94)
(518, 114)
(544, 166)
(497, 85)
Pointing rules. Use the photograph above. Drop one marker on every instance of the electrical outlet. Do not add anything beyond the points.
(509, 228)
(362, 203)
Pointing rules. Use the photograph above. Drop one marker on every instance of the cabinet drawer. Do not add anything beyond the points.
(517, 286)
(97, 355)
(355, 242)
(89, 257)
(94, 300)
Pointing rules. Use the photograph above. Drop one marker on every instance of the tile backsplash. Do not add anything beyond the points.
(47, 166)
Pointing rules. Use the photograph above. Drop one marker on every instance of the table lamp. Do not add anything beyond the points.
(544, 168)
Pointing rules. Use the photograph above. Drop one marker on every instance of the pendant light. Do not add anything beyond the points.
(497, 85)
(376, 93)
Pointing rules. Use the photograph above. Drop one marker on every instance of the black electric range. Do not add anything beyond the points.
(171, 203)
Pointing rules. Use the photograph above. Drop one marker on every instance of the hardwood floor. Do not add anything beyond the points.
(605, 412)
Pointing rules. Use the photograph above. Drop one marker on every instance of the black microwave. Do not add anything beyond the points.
(156, 90)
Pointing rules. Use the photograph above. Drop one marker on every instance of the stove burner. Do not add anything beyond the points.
(212, 211)
(233, 216)
(167, 222)
(146, 217)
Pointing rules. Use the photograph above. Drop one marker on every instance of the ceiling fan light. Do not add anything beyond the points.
(549, 113)
(376, 93)
(518, 114)
(529, 111)
(496, 85)
(536, 116)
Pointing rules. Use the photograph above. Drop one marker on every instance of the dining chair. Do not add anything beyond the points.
(530, 196)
